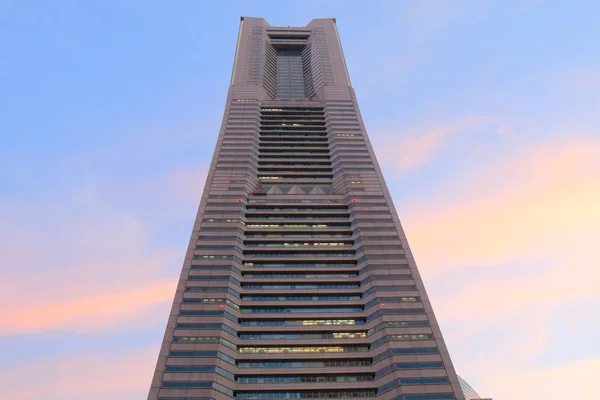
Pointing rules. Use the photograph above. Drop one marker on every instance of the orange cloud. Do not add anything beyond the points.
(87, 377)
(84, 313)
(525, 207)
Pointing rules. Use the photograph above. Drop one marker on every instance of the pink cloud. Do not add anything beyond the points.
(85, 313)
(409, 152)
(403, 148)
(540, 210)
(86, 377)
(565, 282)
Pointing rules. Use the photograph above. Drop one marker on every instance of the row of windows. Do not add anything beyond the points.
(204, 339)
(220, 229)
(385, 277)
(305, 364)
(222, 220)
(413, 381)
(309, 378)
(212, 289)
(387, 338)
(324, 285)
(185, 398)
(200, 368)
(380, 301)
(292, 310)
(383, 300)
(212, 354)
(236, 204)
(290, 226)
(188, 384)
(286, 322)
(303, 244)
(305, 379)
(184, 313)
(304, 175)
(324, 394)
(266, 165)
(300, 275)
(372, 221)
(305, 322)
(397, 324)
(389, 288)
(413, 365)
(296, 173)
(377, 238)
(217, 247)
(259, 297)
(292, 208)
(375, 229)
(218, 238)
(295, 244)
(295, 335)
(304, 349)
(315, 201)
(297, 235)
(306, 212)
(293, 363)
(213, 278)
(287, 336)
(210, 257)
(211, 301)
(379, 313)
(250, 217)
(300, 285)
(374, 267)
(315, 264)
(215, 267)
(412, 350)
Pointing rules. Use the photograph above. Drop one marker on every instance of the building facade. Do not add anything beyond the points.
(298, 280)
(470, 393)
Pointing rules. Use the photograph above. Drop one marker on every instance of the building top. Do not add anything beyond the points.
(266, 55)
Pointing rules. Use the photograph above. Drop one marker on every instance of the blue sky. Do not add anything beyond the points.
(484, 116)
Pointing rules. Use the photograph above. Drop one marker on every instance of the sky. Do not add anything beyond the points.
(484, 116)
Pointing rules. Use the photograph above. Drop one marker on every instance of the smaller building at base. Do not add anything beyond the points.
(469, 392)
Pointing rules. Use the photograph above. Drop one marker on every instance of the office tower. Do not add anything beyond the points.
(298, 281)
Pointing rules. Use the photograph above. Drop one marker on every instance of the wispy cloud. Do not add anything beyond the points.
(403, 147)
(83, 314)
(86, 263)
(527, 205)
(511, 245)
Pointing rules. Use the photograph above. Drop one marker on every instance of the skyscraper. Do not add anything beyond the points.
(298, 281)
